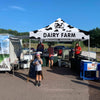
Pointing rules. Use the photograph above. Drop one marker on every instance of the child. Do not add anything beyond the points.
(38, 69)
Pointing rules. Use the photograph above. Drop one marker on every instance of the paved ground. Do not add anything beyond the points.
(58, 84)
(94, 90)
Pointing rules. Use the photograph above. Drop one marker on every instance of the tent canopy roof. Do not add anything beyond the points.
(59, 31)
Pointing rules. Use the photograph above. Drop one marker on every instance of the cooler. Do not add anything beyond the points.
(99, 70)
(88, 70)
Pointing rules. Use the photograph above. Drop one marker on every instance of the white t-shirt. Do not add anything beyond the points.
(38, 67)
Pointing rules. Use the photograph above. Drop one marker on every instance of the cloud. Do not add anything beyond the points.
(17, 8)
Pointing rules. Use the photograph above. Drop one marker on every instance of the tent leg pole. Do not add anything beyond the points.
(89, 44)
(30, 48)
(29, 59)
(89, 47)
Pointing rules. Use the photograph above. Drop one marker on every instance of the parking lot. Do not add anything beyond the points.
(59, 83)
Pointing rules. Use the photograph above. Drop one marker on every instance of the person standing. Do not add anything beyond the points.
(77, 50)
(40, 47)
(38, 69)
(51, 55)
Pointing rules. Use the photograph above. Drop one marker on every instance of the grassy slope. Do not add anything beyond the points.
(34, 45)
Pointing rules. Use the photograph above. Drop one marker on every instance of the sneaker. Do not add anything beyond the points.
(51, 66)
(36, 84)
(39, 84)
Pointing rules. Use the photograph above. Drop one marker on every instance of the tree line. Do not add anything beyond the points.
(13, 32)
(94, 35)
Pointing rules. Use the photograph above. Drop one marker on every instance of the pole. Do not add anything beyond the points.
(79, 43)
(89, 44)
(30, 49)
(29, 58)
(89, 47)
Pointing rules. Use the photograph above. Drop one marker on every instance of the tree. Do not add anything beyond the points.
(95, 37)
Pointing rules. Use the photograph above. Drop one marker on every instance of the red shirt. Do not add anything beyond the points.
(77, 50)
(51, 51)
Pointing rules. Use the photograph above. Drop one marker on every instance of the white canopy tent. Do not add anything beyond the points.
(60, 31)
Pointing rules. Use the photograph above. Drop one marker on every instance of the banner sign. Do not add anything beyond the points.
(4, 53)
(92, 66)
(56, 35)
(59, 35)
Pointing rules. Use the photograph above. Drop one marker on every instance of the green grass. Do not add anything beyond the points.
(84, 48)
(34, 45)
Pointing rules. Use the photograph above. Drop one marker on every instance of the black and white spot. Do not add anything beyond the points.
(50, 28)
(70, 26)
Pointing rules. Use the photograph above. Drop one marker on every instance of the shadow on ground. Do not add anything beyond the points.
(63, 71)
(24, 76)
(89, 85)
(68, 71)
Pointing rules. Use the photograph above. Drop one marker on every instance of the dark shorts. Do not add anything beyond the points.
(51, 58)
(38, 72)
(77, 56)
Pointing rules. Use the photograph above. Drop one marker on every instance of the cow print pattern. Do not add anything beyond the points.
(85, 32)
(35, 31)
(56, 30)
(58, 26)
(70, 26)
(50, 28)
(82, 37)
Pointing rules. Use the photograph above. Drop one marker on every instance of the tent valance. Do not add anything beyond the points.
(59, 31)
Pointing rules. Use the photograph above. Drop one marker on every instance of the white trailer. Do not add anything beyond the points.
(10, 50)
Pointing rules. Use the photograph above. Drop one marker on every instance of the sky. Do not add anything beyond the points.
(29, 15)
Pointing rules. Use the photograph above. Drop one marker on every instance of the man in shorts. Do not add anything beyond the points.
(51, 55)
